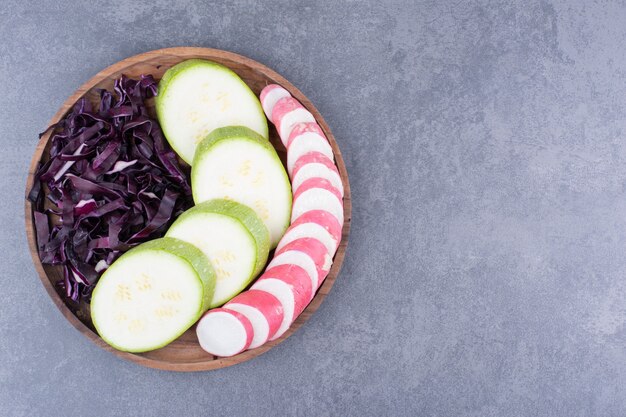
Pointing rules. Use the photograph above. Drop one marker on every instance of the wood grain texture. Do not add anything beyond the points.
(185, 353)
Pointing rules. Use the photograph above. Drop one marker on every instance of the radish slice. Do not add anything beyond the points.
(323, 218)
(316, 251)
(270, 95)
(291, 285)
(312, 165)
(264, 311)
(306, 138)
(312, 183)
(286, 113)
(224, 332)
(300, 259)
(313, 230)
(317, 199)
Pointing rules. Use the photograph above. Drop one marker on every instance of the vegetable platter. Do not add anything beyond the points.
(188, 209)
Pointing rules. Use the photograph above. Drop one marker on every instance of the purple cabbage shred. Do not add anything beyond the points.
(111, 182)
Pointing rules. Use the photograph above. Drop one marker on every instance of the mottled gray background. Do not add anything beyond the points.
(485, 274)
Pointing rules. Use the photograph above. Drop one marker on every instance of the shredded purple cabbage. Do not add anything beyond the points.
(111, 182)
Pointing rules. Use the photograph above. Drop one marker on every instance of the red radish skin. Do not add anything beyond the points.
(286, 113)
(270, 95)
(259, 304)
(219, 325)
(315, 250)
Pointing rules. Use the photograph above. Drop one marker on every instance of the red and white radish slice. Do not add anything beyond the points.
(291, 285)
(315, 165)
(223, 332)
(300, 259)
(306, 138)
(317, 199)
(270, 95)
(286, 113)
(323, 218)
(318, 224)
(315, 250)
(317, 183)
(264, 311)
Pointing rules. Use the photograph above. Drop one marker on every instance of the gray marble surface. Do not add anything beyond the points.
(485, 274)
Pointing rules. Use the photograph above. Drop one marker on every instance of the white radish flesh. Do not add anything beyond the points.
(223, 332)
(317, 199)
(306, 138)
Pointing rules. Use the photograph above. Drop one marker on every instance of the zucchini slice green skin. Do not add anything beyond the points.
(219, 97)
(235, 163)
(145, 294)
(233, 238)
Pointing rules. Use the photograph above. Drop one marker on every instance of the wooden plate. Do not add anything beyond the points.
(185, 353)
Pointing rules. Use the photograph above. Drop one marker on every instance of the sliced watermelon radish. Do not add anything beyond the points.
(197, 96)
(316, 251)
(224, 332)
(234, 163)
(286, 113)
(270, 95)
(306, 138)
(264, 311)
(317, 199)
(300, 259)
(315, 165)
(318, 224)
(291, 285)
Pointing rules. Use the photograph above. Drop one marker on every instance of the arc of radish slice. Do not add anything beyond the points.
(304, 254)
(315, 165)
(306, 138)
(270, 95)
(314, 250)
(300, 259)
(264, 311)
(286, 113)
(224, 332)
(291, 285)
(318, 224)
(317, 199)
